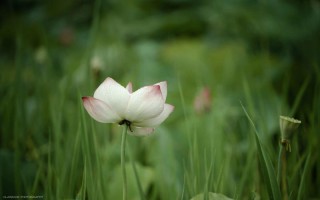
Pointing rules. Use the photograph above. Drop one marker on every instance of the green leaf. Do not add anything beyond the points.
(82, 192)
(266, 165)
(211, 196)
(146, 175)
(303, 178)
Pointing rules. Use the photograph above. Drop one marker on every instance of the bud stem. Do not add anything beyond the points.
(282, 170)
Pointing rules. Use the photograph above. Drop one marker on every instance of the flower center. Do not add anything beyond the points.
(127, 123)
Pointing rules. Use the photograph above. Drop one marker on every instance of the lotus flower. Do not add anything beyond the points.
(141, 111)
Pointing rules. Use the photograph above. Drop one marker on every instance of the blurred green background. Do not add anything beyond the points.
(263, 53)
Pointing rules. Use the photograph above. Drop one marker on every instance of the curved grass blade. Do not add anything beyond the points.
(136, 175)
(303, 178)
(266, 165)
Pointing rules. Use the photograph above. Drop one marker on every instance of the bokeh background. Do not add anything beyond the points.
(213, 54)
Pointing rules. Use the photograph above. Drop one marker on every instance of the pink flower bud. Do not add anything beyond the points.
(202, 102)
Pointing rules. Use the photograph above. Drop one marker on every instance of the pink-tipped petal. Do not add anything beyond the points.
(99, 110)
(129, 87)
(141, 131)
(153, 122)
(115, 95)
(163, 87)
(145, 103)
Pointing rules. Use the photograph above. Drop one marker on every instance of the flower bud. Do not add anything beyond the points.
(96, 65)
(202, 102)
(66, 36)
(41, 55)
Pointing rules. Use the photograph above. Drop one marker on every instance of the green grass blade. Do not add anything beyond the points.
(303, 178)
(136, 175)
(183, 187)
(299, 96)
(82, 192)
(266, 165)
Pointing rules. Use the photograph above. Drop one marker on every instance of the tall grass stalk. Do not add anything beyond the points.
(303, 178)
(266, 164)
(136, 175)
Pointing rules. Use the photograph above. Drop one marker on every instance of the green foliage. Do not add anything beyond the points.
(266, 165)
(211, 196)
(262, 53)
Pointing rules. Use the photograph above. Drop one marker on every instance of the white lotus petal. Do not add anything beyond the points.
(153, 122)
(99, 110)
(100, 92)
(129, 87)
(163, 87)
(145, 103)
(141, 131)
(115, 95)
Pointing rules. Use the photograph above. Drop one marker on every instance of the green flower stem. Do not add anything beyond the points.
(280, 163)
(282, 171)
(123, 162)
